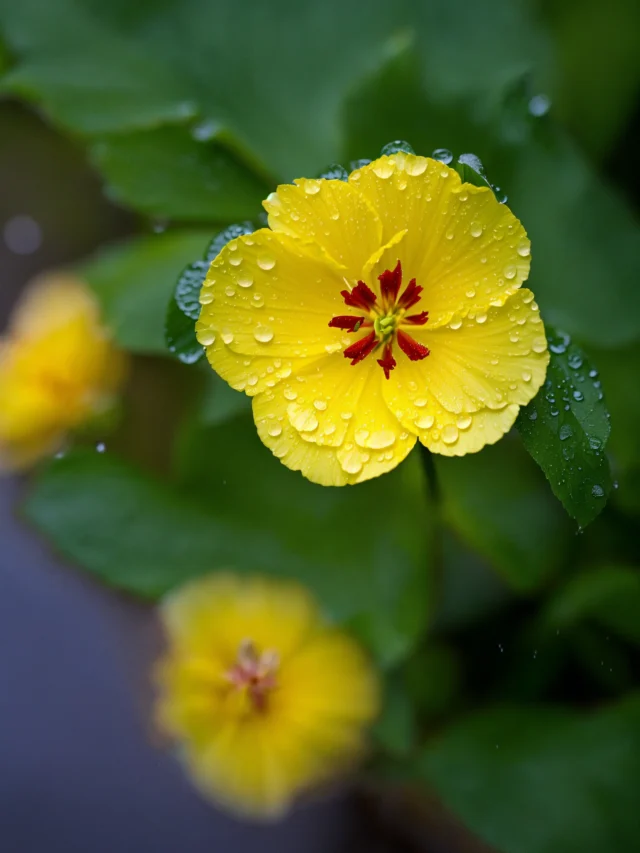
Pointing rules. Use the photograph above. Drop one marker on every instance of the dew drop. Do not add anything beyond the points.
(450, 434)
(312, 187)
(303, 420)
(415, 165)
(381, 439)
(565, 432)
(320, 405)
(524, 250)
(455, 324)
(464, 421)
(526, 375)
(578, 396)
(266, 263)
(424, 422)
(206, 297)
(206, 337)
(290, 394)
(510, 272)
(275, 430)
(539, 344)
(476, 231)
(244, 281)
(443, 155)
(346, 416)
(352, 462)
(420, 402)
(263, 334)
(597, 491)
(481, 318)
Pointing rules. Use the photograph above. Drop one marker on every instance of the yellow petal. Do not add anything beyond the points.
(331, 214)
(490, 361)
(266, 296)
(462, 246)
(330, 421)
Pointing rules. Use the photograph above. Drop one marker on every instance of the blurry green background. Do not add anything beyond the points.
(508, 637)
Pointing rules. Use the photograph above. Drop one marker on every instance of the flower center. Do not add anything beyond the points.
(255, 673)
(385, 319)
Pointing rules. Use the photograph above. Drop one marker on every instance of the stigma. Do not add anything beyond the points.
(254, 673)
(383, 320)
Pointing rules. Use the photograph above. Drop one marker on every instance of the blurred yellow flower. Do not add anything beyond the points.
(58, 369)
(374, 313)
(265, 699)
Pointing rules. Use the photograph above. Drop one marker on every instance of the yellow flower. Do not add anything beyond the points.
(264, 698)
(376, 312)
(57, 369)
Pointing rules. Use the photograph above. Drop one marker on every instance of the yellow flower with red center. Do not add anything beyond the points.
(263, 697)
(375, 312)
(58, 369)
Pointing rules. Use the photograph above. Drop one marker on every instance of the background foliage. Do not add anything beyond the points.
(508, 634)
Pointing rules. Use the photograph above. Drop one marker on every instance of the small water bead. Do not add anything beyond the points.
(275, 430)
(565, 432)
(290, 394)
(578, 396)
(415, 166)
(476, 231)
(524, 250)
(263, 334)
(420, 402)
(597, 491)
(450, 235)
(361, 435)
(527, 375)
(470, 294)
(455, 324)
(595, 443)
(481, 318)
(450, 434)
(514, 336)
(258, 300)
(266, 263)
(443, 155)
(352, 462)
(346, 416)
(510, 272)
(320, 405)
(312, 187)
(303, 420)
(244, 280)
(381, 439)
(384, 169)
(206, 297)
(424, 422)
(206, 337)
(235, 260)
(533, 415)
(575, 360)
(539, 344)
(252, 380)
(464, 422)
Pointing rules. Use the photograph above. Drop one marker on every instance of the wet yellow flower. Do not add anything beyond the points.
(374, 313)
(58, 369)
(264, 698)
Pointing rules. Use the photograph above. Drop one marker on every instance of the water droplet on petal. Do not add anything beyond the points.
(381, 439)
(352, 462)
(206, 337)
(481, 318)
(464, 421)
(510, 272)
(206, 297)
(527, 375)
(524, 250)
(275, 430)
(303, 420)
(539, 344)
(244, 280)
(476, 230)
(230, 291)
(450, 434)
(266, 263)
(320, 405)
(263, 334)
(420, 402)
(290, 394)
(424, 422)
(415, 165)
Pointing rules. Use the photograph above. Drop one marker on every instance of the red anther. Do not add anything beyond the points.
(350, 323)
(390, 282)
(361, 349)
(387, 362)
(411, 348)
(410, 296)
(360, 297)
(417, 319)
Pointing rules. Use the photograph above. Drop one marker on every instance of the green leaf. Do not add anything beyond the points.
(220, 403)
(134, 281)
(373, 550)
(610, 596)
(184, 306)
(500, 505)
(146, 537)
(168, 172)
(566, 427)
(543, 780)
(396, 729)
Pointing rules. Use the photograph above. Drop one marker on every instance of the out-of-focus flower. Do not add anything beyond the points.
(374, 313)
(58, 369)
(264, 698)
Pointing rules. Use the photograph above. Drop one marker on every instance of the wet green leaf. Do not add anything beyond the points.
(167, 173)
(500, 506)
(541, 779)
(241, 508)
(134, 281)
(566, 427)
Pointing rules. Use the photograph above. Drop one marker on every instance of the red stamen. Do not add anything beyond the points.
(416, 319)
(390, 282)
(350, 323)
(411, 348)
(387, 362)
(410, 296)
(361, 349)
(360, 297)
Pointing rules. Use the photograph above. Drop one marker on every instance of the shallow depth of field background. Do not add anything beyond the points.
(109, 131)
